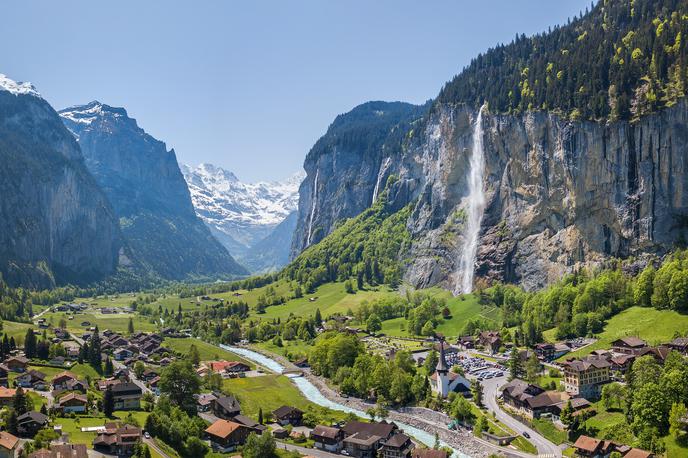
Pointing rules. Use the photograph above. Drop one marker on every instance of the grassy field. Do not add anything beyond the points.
(270, 392)
(16, 330)
(547, 429)
(290, 349)
(207, 351)
(330, 299)
(654, 326)
(72, 426)
(117, 322)
(462, 308)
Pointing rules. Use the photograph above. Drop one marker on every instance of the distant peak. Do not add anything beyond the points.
(17, 87)
(86, 114)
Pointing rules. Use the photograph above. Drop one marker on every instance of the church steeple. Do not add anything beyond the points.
(442, 366)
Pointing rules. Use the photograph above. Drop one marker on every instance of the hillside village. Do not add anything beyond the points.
(50, 384)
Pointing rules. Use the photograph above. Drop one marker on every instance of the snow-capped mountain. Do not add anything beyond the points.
(240, 214)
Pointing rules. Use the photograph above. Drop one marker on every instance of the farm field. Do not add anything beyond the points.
(330, 299)
(462, 308)
(208, 352)
(270, 392)
(652, 325)
(117, 322)
(16, 330)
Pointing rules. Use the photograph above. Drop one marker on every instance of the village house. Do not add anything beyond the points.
(153, 385)
(490, 340)
(250, 423)
(127, 395)
(517, 392)
(236, 369)
(122, 354)
(29, 423)
(117, 439)
(204, 402)
(362, 440)
(466, 342)
(9, 445)
(225, 436)
(398, 446)
(62, 451)
(16, 363)
(658, 353)
(589, 447)
(327, 438)
(32, 379)
(226, 407)
(628, 345)
(72, 402)
(585, 377)
(620, 364)
(287, 415)
(7, 396)
(59, 382)
(544, 351)
(680, 344)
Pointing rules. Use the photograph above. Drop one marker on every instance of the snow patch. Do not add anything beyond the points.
(17, 87)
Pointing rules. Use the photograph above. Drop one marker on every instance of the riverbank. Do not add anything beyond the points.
(425, 422)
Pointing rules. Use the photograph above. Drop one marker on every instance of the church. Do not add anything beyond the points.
(443, 381)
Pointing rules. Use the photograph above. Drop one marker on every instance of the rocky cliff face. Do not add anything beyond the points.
(147, 190)
(349, 165)
(56, 225)
(559, 194)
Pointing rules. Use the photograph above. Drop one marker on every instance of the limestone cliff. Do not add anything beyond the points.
(56, 225)
(560, 194)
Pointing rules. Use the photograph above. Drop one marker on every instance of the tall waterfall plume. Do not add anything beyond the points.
(381, 173)
(313, 203)
(475, 209)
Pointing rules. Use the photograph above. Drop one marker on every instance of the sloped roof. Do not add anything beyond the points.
(222, 428)
(286, 410)
(631, 341)
(398, 440)
(325, 431)
(586, 443)
(7, 440)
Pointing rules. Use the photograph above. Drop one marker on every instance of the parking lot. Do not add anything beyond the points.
(478, 367)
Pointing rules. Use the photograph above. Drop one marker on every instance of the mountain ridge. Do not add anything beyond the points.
(144, 183)
(243, 215)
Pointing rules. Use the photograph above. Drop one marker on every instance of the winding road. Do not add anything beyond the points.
(491, 390)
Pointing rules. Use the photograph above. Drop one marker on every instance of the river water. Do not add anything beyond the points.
(314, 395)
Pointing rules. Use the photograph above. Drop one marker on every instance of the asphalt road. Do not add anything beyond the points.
(308, 451)
(490, 390)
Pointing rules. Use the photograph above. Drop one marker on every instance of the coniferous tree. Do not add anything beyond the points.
(20, 403)
(30, 344)
(130, 326)
(108, 403)
(12, 422)
(95, 357)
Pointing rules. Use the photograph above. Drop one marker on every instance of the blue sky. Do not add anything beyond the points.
(251, 85)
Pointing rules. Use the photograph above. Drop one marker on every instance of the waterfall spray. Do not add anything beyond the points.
(476, 206)
(381, 173)
(313, 202)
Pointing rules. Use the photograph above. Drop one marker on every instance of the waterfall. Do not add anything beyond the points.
(476, 206)
(381, 173)
(313, 203)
